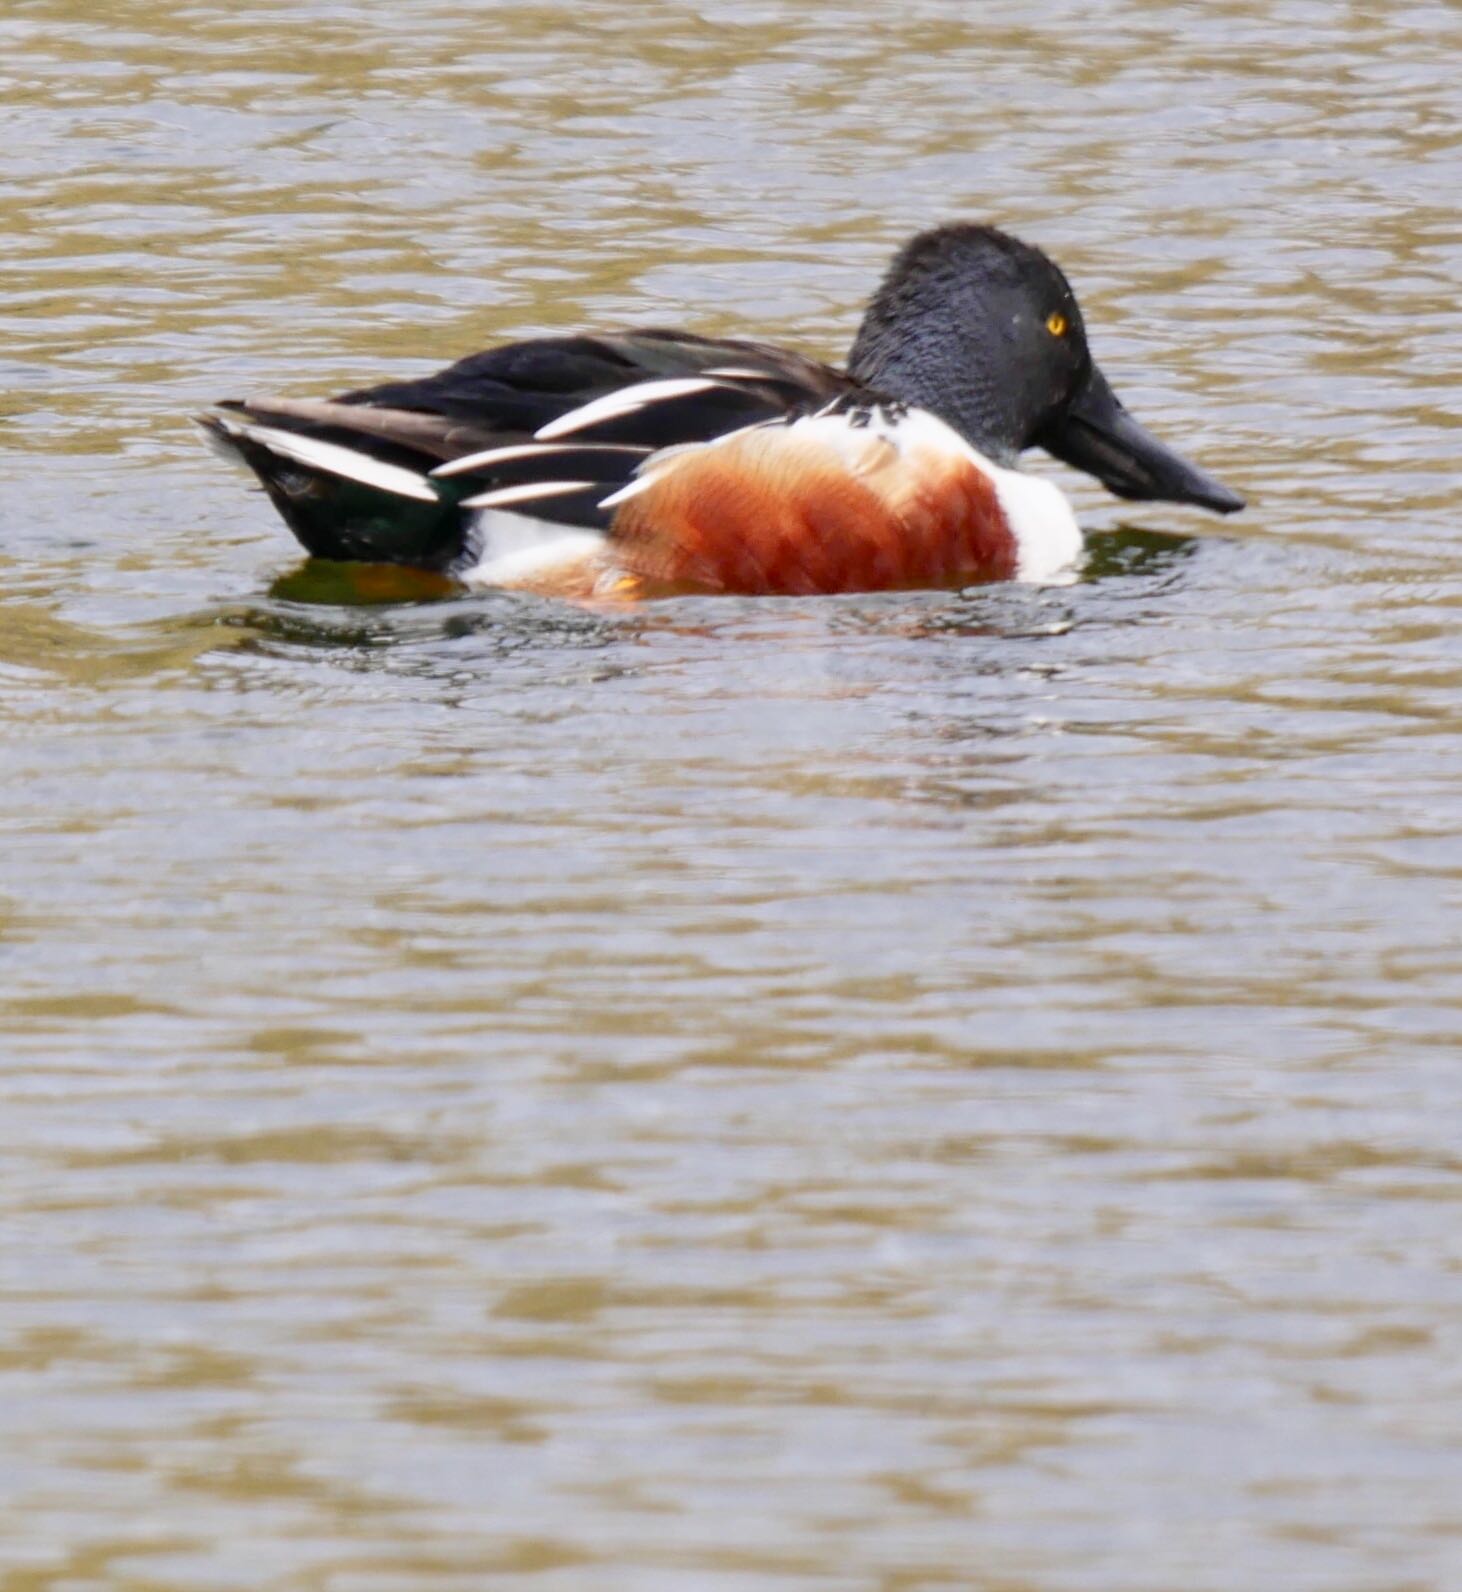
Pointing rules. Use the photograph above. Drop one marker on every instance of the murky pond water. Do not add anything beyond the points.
(889, 1093)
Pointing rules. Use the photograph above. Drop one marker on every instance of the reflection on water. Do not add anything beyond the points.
(1126, 550)
(1131, 550)
(890, 1092)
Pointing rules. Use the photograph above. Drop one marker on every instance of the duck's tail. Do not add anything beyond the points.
(383, 486)
(344, 502)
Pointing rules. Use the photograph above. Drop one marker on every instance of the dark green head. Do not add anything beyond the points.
(984, 331)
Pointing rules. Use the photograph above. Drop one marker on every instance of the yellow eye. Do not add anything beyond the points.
(1056, 324)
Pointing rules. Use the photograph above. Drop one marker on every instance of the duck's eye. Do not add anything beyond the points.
(1056, 324)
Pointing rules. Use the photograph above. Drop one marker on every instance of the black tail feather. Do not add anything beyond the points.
(339, 516)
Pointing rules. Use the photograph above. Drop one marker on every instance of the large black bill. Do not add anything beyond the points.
(1096, 434)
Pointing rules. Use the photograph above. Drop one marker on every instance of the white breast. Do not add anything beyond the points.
(1046, 533)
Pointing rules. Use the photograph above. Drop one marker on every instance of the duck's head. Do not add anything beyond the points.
(985, 331)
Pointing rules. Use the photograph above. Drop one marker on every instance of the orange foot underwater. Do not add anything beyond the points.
(632, 463)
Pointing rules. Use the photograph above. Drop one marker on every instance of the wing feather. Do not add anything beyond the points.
(572, 415)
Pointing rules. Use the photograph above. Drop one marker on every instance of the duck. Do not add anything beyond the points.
(647, 462)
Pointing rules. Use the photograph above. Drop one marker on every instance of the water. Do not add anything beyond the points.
(886, 1093)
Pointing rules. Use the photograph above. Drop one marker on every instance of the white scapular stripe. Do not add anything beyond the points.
(333, 459)
(626, 401)
(644, 479)
(473, 462)
(525, 492)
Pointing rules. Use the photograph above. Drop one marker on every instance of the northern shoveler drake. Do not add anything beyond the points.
(645, 462)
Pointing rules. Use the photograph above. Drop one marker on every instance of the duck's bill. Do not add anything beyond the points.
(1097, 435)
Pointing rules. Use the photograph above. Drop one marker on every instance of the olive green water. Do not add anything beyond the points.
(908, 1092)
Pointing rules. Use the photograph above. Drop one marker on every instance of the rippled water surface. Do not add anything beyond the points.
(936, 1090)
